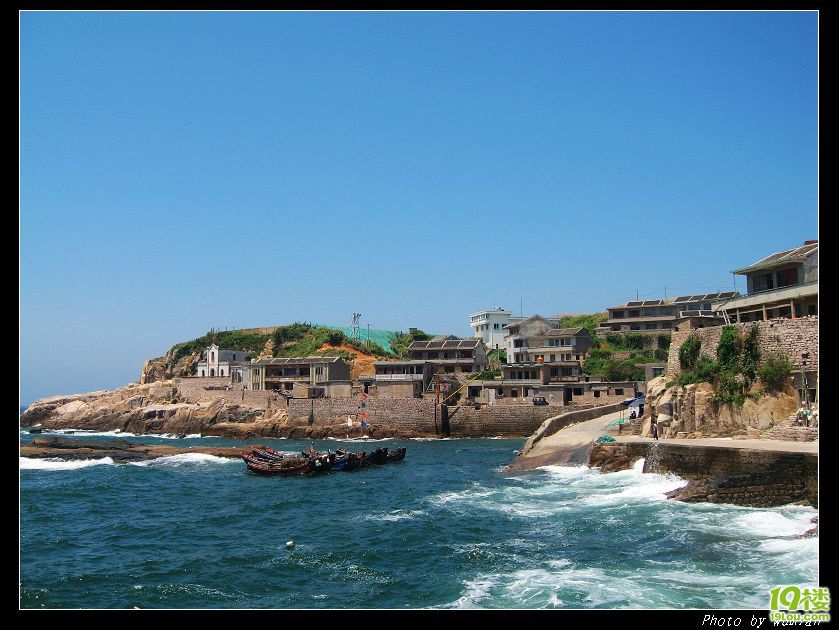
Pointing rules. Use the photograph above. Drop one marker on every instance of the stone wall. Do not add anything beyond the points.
(788, 336)
(413, 413)
(554, 424)
(192, 390)
(418, 414)
(721, 475)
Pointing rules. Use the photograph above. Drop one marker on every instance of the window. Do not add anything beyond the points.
(554, 372)
(649, 326)
(666, 324)
(449, 369)
(762, 282)
(578, 391)
(619, 391)
(788, 277)
(514, 393)
(597, 394)
(553, 357)
(497, 326)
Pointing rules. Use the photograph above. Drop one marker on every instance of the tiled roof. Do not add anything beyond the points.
(797, 254)
(296, 360)
(449, 344)
(565, 332)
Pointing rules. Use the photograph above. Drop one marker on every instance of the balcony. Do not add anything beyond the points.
(398, 377)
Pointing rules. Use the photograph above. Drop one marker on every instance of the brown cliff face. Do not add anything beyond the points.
(164, 367)
(688, 411)
(157, 408)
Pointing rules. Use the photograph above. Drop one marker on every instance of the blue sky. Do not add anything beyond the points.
(181, 171)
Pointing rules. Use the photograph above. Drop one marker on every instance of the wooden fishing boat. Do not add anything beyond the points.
(396, 456)
(377, 457)
(355, 461)
(264, 467)
(263, 454)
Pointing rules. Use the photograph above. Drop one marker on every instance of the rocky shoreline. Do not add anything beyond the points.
(121, 451)
(156, 408)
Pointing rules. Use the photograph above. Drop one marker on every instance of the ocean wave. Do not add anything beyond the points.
(395, 515)
(89, 432)
(31, 463)
(562, 584)
(185, 459)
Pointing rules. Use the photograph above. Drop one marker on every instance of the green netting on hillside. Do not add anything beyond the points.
(381, 337)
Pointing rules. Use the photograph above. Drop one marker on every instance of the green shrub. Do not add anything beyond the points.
(728, 349)
(689, 352)
(663, 342)
(335, 338)
(775, 371)
(615, 340)
(729, 390)
(751, 353)
(586, 320)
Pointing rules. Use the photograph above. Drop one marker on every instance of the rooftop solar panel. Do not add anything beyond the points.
(682, 298)
(634, 303)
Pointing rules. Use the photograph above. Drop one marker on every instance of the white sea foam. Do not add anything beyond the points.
(395, 515)
(89, 432)
(185, 459)
(30, 463)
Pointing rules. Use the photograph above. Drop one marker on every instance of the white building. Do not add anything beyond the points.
(222, 362)
(489, 326)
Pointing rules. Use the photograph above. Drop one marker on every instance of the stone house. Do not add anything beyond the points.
(308, 376)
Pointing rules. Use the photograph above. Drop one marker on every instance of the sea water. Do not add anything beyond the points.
(445, 528)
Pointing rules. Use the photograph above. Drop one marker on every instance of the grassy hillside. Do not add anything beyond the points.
(294, 340)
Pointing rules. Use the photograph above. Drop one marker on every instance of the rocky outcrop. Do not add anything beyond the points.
(120, 451)
(688, 411)
(739, 476)
(158, 408)
(166, 367)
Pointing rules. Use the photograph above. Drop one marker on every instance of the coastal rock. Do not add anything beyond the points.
(156, 407)
(689, 409)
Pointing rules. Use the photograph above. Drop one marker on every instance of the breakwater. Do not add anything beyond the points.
(719, 474)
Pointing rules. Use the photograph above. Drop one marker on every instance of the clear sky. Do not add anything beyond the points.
(181, 171)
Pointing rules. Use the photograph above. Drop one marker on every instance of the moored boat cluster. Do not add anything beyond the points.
(266, 461)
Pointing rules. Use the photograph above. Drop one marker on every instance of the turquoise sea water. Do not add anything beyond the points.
(445, 528)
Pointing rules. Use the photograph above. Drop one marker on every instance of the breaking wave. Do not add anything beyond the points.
(31, 463)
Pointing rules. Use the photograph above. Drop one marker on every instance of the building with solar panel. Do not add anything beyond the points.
(657, 316)
(785, 284)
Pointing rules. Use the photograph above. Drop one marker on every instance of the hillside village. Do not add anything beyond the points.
(512, 361)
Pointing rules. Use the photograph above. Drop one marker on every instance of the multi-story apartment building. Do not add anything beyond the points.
(449, 355)
(785, 284)
(658, 315)
(332, 374)
(489, 326)
(539, 339)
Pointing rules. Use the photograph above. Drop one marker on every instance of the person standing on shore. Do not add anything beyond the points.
(654, 427)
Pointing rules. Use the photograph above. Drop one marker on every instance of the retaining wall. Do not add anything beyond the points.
(787, 336)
